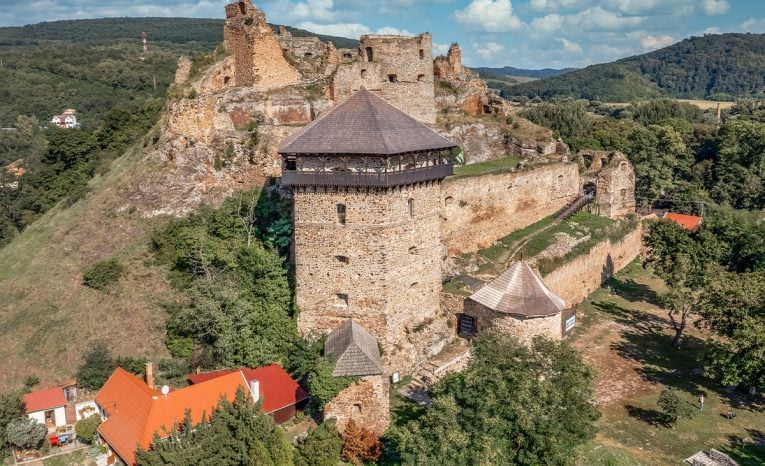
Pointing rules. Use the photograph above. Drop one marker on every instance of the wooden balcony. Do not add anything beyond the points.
(366, 179)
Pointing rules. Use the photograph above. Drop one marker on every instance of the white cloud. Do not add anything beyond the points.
(754, 25)
(598, 19)
(351, 30)
(714, 7)
(712, 30)
(489, 50)
(440, 49)
(650, 43)
(489, 16)
(570, 47)
(554, 5)
(547, 24)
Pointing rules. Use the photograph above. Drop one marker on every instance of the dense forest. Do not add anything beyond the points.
(511, 71)
(718, 67)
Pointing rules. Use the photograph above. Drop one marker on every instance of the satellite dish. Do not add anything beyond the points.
(165, 389)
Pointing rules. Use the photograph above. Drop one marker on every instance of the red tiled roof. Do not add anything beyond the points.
(44, 399)
(136, 412)
(277, 388)
(689, 222)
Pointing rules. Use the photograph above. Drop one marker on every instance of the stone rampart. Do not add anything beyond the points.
(479, 210)
(575, 280)
(367, 402)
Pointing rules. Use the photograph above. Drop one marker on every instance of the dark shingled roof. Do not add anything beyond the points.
(354, 350)
(519, 291)
(364, 124)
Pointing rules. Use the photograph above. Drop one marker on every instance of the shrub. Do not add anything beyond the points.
(323, 386)
(360, 445)
(31, 381)
(26, 433)
(322, 447)
(96, 368)
(103, 274)
(86, 428)
(674, 406)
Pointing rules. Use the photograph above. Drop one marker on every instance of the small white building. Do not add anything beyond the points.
(68, 119)
(47, 407)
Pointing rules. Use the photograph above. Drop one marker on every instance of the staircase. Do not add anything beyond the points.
(452, 359)
(574, 206)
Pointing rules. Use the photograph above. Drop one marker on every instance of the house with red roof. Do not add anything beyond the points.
(689, 222)
(279, 393)
(47, 407)
(134, 411)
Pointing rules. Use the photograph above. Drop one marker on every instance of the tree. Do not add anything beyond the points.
(674, 406)
(236, 434)
(512, 405)
(322, 447)
(360, 445)
(96, 368)
(323, 385)
(86, 428)
(11, 409)
(732, 307)
(26, 433)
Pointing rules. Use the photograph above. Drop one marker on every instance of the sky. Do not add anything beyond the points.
(521, 33)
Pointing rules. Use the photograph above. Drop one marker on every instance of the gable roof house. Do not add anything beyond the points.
(134, 412)
(279, 393)
(47, 407)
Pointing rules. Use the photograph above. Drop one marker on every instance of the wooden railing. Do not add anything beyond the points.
(366, 179)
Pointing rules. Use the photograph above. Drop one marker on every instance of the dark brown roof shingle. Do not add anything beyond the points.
(364, 124)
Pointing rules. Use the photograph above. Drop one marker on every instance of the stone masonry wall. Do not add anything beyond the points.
(367, 402)
(575, 280)
(479, 210)
(615, 195)
(398, 69)
(524, 329)
(259, 60)
(386, 264)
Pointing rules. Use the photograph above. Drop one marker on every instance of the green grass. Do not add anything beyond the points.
(504, 164)
(506, 243)
(621, 326)
(68, 459)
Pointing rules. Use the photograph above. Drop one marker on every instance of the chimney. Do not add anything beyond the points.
(255, 389)
(150, 375)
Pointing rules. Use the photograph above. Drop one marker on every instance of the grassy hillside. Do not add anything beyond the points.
(524, 73)
(713, 66)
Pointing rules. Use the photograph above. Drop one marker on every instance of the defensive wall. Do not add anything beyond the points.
(478, 210)
(576, 279)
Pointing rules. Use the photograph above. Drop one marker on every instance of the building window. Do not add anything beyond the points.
(347, 55)
(341, 214)
(357, 409)
(363, 73)
(226, 79)
(370, 55)
(466, 326)
(413, 250)
(342, 259)
(410, 208)
(341, 300)
(421, 78)
(623, 194)
(422, 54)
(241, 8)
(308, 54)
(623, 166)
(392, 78)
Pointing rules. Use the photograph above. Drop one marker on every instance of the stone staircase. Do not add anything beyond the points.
(453, 358)
(711, 458)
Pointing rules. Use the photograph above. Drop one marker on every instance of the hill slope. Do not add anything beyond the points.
(713, 66)
(521, 72)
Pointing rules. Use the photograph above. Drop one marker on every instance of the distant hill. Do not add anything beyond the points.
(709, 67)
(171, 30)
(515, 72)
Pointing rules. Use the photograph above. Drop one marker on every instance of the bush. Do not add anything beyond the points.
(26, 434)
(322, 447)
(322, 385)
(674, 406)
(96, 368)
(86, 428)
(103, 274)
(360, 445)
(31, 381)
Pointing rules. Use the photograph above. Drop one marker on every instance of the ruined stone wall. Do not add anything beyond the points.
(449, 67)
(575, 280)
(386, 264)
(259, 60)
(398, 69)
(523, 329)
(367, 402)
(615, 195)
(479, 210)
(182, 70)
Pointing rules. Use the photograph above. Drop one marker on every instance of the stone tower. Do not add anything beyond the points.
(615, 194)
(258, 58)
(397, 68)
(366, 184)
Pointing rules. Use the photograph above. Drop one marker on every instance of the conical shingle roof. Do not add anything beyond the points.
(364, 124)
(519, 291)
(354, 349)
